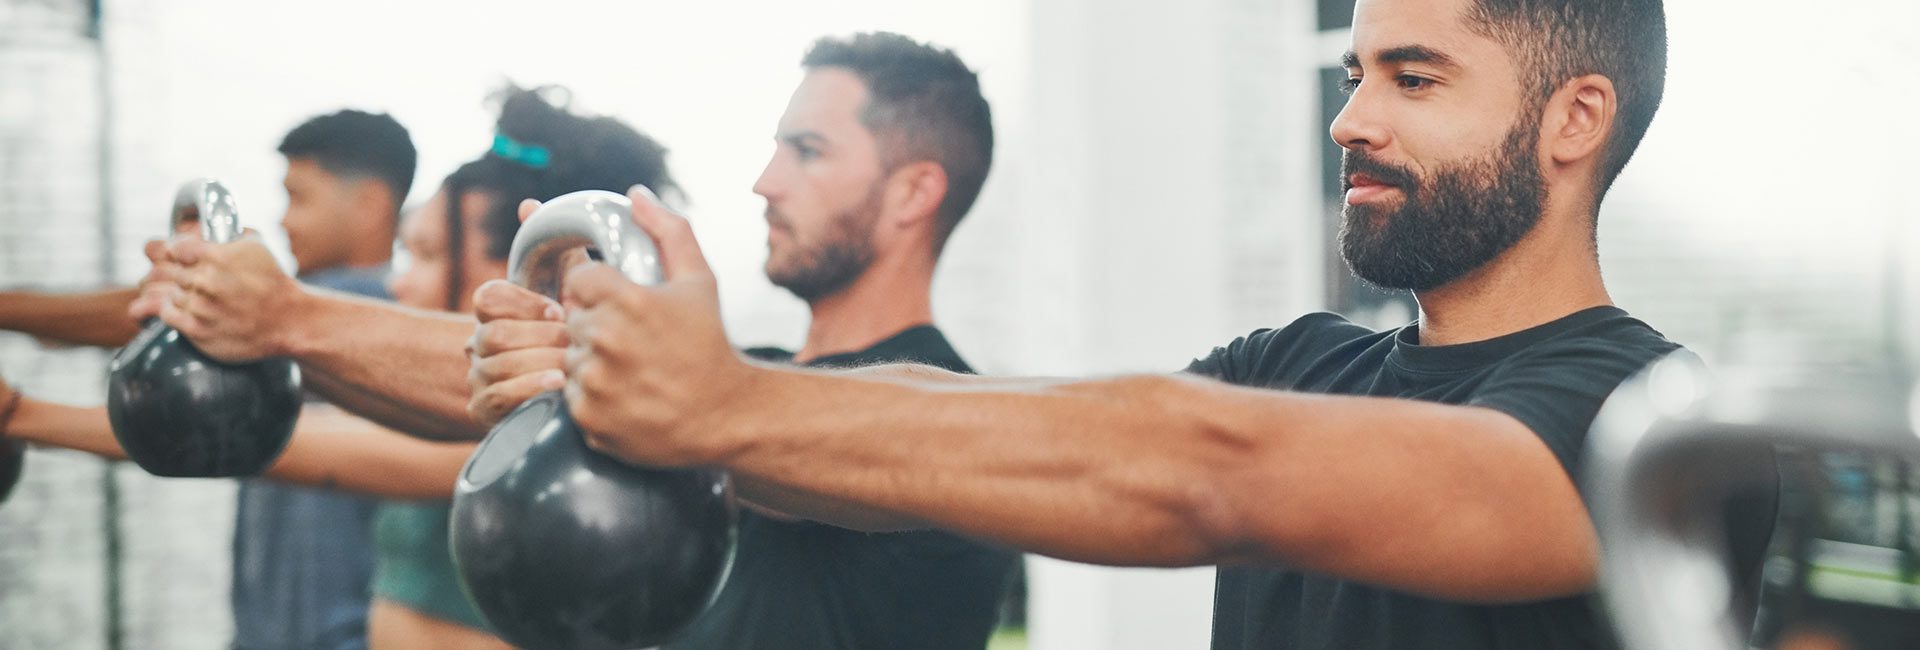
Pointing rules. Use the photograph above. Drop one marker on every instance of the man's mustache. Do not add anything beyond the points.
(1360, 162)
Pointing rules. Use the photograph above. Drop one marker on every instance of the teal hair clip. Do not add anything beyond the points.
(533, 156)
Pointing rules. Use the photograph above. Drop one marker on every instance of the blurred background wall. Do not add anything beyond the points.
(1161, 186)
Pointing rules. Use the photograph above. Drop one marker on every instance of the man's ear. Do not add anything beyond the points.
(914, 192)
(1578, 121)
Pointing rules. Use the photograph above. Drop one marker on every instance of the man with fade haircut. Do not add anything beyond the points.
(1407, 488)
(302, 556)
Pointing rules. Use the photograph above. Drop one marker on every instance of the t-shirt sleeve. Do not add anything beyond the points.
(1557, 389)
(1260, 358)
(1228, 362)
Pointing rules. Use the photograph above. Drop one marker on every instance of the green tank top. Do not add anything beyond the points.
(414, 566)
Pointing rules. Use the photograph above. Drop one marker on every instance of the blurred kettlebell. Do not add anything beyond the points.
(178, 412)
(561, 547)
(13, 461)
(1674, 448)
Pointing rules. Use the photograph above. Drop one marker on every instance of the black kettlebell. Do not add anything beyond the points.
(13, 462)
(559, 546)
(178, 412)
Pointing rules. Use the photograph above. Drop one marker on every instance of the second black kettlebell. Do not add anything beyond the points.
(178, 412)
(564, 548)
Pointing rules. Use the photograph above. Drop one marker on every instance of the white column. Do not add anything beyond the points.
(1172, 180)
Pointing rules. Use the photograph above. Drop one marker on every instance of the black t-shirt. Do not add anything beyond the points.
(806, 585)
(1552, 378)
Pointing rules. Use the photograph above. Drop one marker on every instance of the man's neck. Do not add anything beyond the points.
(885, 300)
(374, 248)
(1552, 272)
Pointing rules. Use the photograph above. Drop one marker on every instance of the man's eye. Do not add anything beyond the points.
(805, 152)
(1410, 82)
(1349, 84)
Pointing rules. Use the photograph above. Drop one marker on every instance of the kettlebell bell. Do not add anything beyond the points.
(13, 462)
(178, 412)
(561, 547)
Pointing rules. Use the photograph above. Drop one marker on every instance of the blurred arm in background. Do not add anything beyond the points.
(97, 318)
(330, 448)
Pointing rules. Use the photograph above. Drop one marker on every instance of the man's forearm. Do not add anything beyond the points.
(96, 318)
(386, 411)
(1036, 480)
(1456, 502)
(405, 368)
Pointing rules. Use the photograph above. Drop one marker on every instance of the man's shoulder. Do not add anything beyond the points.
(922, 344)
(1608, 332)
(1266, 353)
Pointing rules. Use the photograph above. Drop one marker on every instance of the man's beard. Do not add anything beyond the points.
(1467, 214)
(826, 267)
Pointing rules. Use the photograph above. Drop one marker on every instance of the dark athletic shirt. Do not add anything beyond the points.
(806, 585)
(1552, 378)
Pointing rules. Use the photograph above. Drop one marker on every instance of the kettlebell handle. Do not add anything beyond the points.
(596, 219)
(207, 201)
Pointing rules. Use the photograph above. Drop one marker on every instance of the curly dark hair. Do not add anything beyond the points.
(580, 153)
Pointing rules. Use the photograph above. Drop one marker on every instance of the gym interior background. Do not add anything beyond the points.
(1162, 185)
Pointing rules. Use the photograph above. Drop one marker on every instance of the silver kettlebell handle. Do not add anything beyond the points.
(596, 219)
(207, 201)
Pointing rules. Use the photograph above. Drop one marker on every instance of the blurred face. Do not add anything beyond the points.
(823, 187)
(1441, 164)
(423, 283)
(319, 210)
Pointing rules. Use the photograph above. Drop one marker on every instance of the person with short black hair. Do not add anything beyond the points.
(348, 173)
(302, 554)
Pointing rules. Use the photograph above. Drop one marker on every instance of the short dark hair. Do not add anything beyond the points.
(357, 144)
(1557, 40)
(577, 152)
(923, 104)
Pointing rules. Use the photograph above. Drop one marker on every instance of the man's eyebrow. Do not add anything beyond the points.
(798, 137)
(1402, 54)
(1417, 54)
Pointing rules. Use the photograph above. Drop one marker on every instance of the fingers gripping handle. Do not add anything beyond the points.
(596, 219)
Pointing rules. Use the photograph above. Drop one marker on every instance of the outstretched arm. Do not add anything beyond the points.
(406, 368)
(1457, 502)
(400, 366)
(97, 318)
(1464, 503)
(329, 448)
